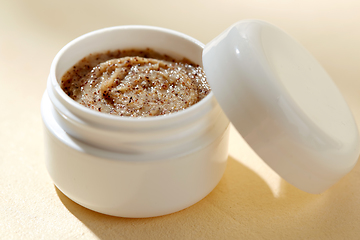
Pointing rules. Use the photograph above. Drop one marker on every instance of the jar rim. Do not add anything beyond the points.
(109, 117)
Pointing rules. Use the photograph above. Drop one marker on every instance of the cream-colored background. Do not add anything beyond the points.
(250, 202)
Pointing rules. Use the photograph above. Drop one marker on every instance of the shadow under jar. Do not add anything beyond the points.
(125, 166)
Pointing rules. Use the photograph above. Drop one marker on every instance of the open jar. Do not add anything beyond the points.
(132, 167)
(274, 92)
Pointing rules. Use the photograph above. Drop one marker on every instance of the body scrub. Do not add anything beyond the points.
(135, 83)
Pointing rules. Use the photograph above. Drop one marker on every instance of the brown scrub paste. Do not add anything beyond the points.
(135, 83)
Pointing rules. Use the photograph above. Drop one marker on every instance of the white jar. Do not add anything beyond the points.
(132, 167)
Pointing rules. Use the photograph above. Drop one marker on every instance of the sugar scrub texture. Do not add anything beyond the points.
(135, 83)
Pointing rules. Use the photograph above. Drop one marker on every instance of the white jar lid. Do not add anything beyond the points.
(283, 103)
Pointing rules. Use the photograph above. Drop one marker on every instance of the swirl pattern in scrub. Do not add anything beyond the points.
(136, 86)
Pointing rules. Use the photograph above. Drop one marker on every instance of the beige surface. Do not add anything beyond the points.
(250, 202)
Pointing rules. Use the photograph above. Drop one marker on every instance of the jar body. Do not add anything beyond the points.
(132, 167)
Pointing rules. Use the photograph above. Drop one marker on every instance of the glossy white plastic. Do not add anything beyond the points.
(283, 103)
(132, 167)
(274, 92)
